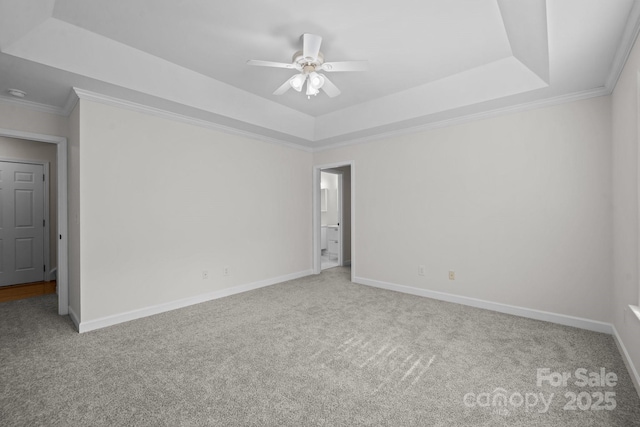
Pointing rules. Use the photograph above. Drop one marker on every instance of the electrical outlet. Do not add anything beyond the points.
(205, 274)
(225, 271)
(452, 275)
(421, 270)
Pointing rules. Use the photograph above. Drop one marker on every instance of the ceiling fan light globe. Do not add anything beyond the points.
(297, 81)
(311, 90)
(316, 80)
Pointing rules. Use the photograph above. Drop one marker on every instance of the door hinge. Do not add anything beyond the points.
(42, 177)
(43, 222)
(44, 268)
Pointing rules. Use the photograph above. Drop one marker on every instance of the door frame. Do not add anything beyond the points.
(47, 212)
(62, 272)
(316, 217)
(340, 218)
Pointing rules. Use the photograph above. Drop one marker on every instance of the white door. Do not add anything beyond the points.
(21, 223)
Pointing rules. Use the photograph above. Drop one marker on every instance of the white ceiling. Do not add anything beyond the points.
(431, 61)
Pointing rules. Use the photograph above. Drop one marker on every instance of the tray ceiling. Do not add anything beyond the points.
(430, 61)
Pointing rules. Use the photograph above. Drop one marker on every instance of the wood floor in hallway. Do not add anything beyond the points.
(26, 290)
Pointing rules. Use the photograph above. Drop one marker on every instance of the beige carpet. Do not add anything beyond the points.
(313, 351)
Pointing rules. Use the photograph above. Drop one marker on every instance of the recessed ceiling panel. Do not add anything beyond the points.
(408, 43)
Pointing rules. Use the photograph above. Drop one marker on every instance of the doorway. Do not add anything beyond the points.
(333, 219)
(62, 221)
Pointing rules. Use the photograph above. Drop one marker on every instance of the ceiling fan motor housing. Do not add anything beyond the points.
(307, 65)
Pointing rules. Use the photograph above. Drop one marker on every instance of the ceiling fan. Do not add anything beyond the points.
(309, 61)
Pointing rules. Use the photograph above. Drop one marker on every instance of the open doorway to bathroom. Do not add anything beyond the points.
(330, 219)
(333, 219)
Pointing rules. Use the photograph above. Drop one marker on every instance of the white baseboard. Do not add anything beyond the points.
(577, 322)
(627, 360)
(74, 318)
(185, 302)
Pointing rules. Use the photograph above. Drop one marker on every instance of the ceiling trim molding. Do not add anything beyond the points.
(77, 94)
(34, 106)
(562, 99)
(40, 137)
(72, 100)
(157, 112)
(627, 41)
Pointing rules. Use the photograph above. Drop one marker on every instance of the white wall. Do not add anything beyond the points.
(22, 119)
(519, 206)
(625, 205)
(21, 149)
(161, 201)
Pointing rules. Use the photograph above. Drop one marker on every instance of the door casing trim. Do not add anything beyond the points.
(316, 217)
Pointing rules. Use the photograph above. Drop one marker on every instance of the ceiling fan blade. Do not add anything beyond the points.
(346, 66)
(311, 46)
(329, 88)
(259, 63)
(285, 87)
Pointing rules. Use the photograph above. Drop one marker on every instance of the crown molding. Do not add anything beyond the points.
(72, 100)
(34, 106)
(563, 99)
(140, 108)
(628, 39)
(77, 94)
